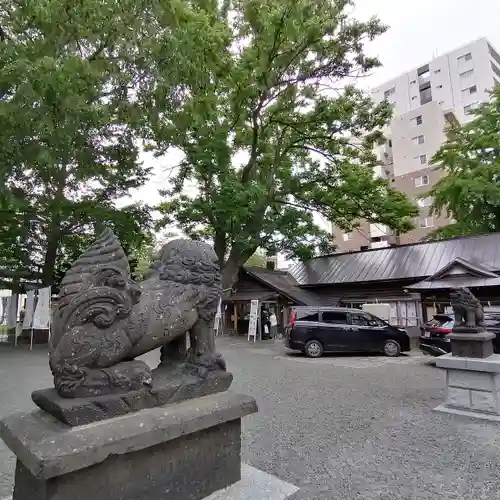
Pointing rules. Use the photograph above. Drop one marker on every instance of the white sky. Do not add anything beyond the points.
(418, 32)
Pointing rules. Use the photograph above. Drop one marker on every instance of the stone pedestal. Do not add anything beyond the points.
(469, 343)
(182, 451)
(473, 386)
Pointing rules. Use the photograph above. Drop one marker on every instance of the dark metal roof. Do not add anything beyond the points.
(285, 284)
(455, 282)
(247, 296)
(418, 260)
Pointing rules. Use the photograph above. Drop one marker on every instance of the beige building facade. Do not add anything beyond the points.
(425, 101)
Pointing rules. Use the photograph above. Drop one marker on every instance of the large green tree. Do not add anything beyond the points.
(68, 117)
(470, 160)
(270, 132)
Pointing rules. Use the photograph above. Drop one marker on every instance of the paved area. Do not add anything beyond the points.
(339, 428)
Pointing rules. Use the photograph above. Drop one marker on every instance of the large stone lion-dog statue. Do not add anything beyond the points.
(104, 320)
(467, 309)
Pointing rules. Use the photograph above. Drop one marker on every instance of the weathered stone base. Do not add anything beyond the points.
(255, 485)
(170, 385)
(465, 413)
(187, 450)
(471, 345)
(473, 385)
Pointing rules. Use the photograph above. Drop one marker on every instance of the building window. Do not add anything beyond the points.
(425, 94)
(465, 57)
(467, 73)
(416, 121)
(439, 86)
(469, 91)
(419, 139)
(468, 109)
(425, 202)
(423, 74)
(413, 82)
(437, 70)
(414, 97)
(423, 180)
(425, 222)
(422, 159)
(389, 142)
(363, 247)
(389, 92)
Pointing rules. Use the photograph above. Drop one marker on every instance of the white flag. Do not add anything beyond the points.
(4, 310)
(41, 319)
(29, 310)
(12, 313)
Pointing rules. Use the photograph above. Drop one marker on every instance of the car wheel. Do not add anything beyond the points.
(314, 349)
(392, 349)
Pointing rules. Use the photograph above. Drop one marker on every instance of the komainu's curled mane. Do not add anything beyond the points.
(104, 320)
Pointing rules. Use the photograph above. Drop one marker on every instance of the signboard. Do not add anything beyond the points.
(252, 323)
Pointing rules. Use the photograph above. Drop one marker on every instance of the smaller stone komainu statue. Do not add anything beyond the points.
(467, 309)
(104, 320)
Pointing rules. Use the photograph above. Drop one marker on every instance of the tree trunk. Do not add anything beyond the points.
(49, 262)
(220, 246)
(231, 268)
(230, 273)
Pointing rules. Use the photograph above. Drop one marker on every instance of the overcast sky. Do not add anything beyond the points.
(418, 32)
(421, 30)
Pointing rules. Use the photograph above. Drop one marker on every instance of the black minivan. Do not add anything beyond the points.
(315, 330)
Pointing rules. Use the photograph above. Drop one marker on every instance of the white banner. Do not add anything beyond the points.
(12, 311)
(41, 319)
(252, 323)
(4, 310)
(218, 317)
(29, 310)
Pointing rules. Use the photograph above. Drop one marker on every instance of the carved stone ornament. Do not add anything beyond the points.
(468, 311)
(104, 321)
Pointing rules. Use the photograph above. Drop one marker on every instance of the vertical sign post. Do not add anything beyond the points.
(252, 324)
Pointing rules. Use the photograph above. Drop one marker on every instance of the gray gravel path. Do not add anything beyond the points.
(345, 427)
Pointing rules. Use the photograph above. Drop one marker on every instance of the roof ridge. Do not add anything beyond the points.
(414, 261)
(405, 245)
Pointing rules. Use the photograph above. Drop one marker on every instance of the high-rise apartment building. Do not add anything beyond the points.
(425, 100)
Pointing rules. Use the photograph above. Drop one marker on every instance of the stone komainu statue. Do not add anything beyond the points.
(467, 309)
(104, 320)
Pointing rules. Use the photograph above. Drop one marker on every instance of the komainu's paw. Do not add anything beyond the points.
(205, 362)
(130, 376)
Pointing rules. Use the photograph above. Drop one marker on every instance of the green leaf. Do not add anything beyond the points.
(470, 159)
(269, 135)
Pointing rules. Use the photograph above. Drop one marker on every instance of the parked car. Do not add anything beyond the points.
(433, 339)
(316, 330)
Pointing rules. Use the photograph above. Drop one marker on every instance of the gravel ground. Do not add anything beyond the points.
(343, 427)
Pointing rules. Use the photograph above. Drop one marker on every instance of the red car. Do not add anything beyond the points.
(433, 337)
